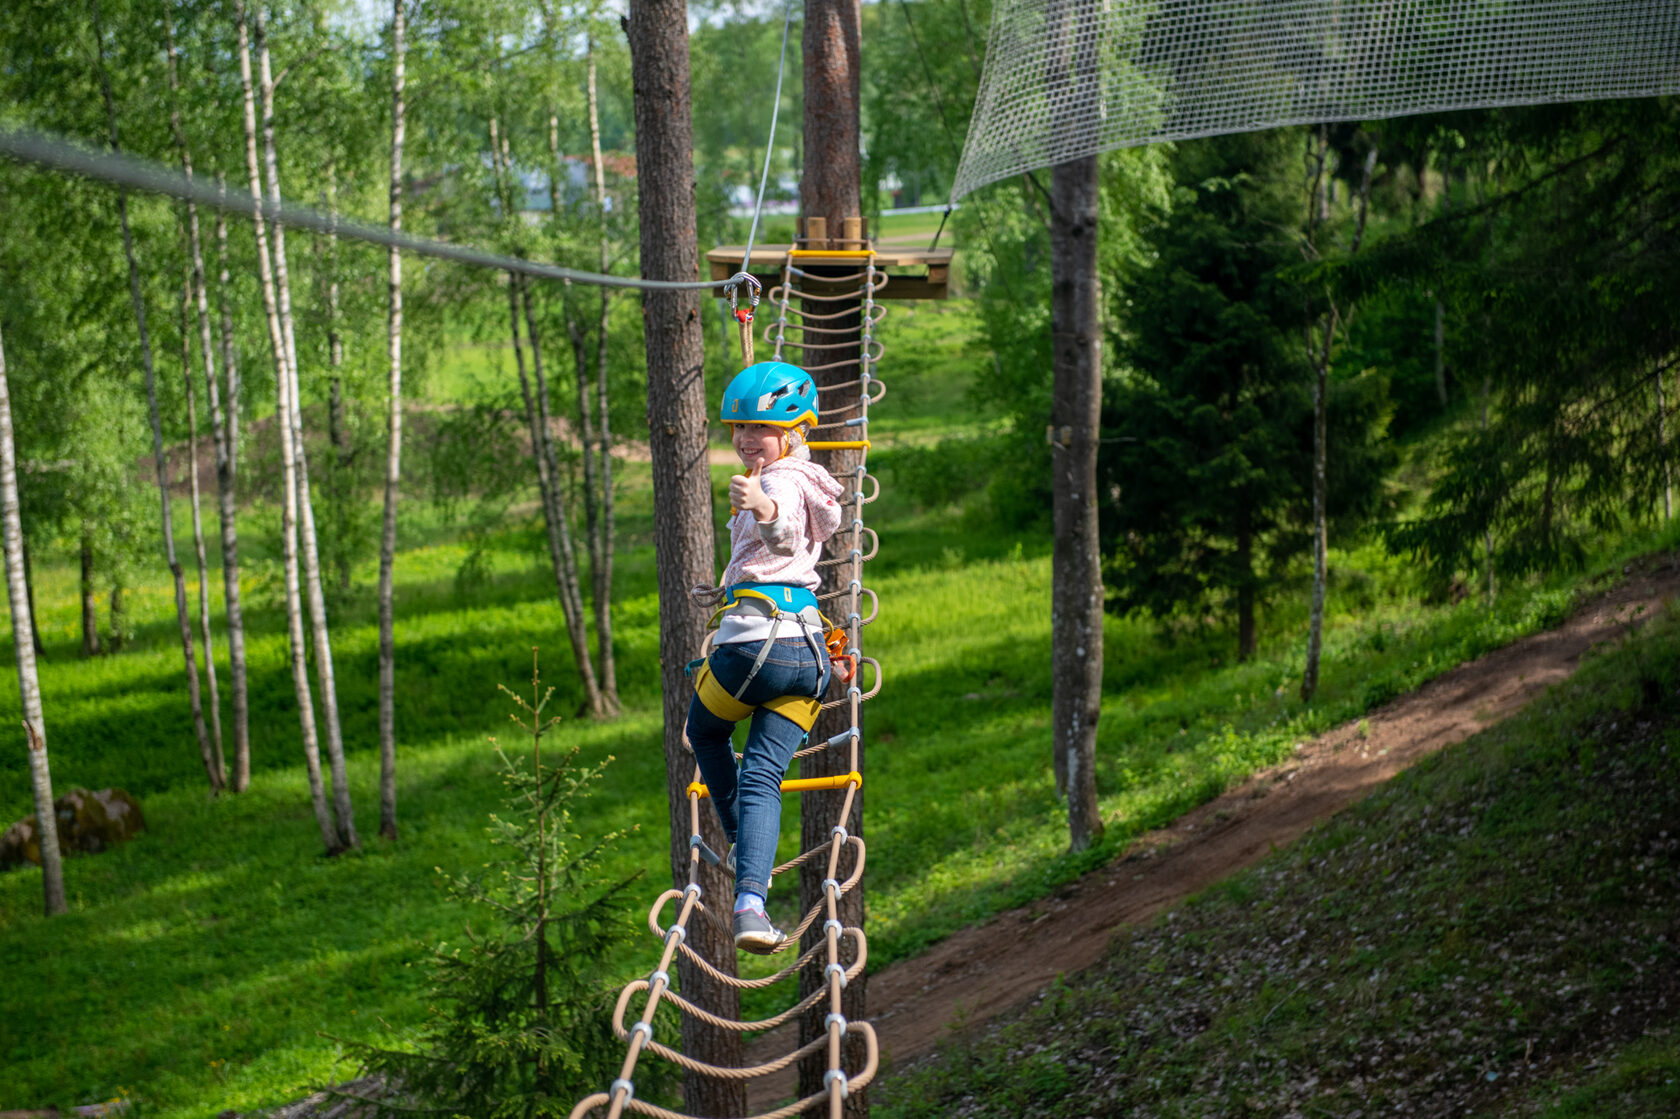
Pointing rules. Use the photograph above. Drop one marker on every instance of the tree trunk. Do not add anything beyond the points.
(198, 531)
(119, 611)
(90, 615)
(1076, 591)
(1440, 353)
(29, 590)
(682, 492)
(562, 554)
(29, 685)
(831, 189)
(1546, 517)
(230, 356)
(342, 487)
(288, 496)
(1662, 450)
(225, 503)
(601, 540)
(309, 552)
(206, 755)
(1247, 642)
(393, 455)
(1320, 477)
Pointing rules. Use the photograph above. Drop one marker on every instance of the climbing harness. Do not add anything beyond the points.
(818, 328)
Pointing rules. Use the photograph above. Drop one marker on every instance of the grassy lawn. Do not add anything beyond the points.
(1493, 933)
(201, 965)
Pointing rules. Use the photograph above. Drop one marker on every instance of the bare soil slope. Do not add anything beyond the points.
(986, 969)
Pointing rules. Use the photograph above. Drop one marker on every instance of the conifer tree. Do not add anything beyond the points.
(521, 1025)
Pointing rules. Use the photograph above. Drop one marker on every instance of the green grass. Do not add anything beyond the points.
(1493, 933)
(215, 947)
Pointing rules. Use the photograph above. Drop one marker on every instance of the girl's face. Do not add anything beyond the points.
(758, 444)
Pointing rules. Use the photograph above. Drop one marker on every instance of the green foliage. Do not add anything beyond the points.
(1207, 449)
(523, 1029)
(1556, 263)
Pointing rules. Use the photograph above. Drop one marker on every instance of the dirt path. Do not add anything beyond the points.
(987, 969)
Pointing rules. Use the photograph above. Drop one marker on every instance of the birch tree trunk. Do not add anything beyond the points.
(601, 531)
(682, 492)
(29, 592)
(230, 351)
(308, 551)
(393, 455)
(562, 554)
(23, 645)
(198, 530)
(211, 769)
(288, 496)
(226, 505)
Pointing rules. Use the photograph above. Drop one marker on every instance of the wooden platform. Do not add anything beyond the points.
(915, 273)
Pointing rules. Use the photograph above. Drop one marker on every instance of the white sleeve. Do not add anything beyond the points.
(781, 534)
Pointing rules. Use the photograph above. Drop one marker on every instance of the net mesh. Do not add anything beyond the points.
(1066, 79)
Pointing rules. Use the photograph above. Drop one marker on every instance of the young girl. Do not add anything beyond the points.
(768, 659)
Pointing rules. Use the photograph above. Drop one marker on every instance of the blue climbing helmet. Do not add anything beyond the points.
(771, 392)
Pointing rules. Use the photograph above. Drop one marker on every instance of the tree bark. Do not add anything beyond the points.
(182, 614)
(562, 554)
(198, 531)
(601, 539)
(29, 591)
(288, 496)
(393, 453)
(1662, 450)
(226, 505)
(831, 189)
(1076, 589)
(308, 551)
(119, 611)
(90, 615)
(230, 352)
(23, 644)
(682, 492)
(1321, 435)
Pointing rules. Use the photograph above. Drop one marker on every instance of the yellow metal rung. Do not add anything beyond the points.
(798, 784)
(838, 444)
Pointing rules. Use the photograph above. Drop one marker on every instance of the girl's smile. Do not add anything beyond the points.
(758, 444)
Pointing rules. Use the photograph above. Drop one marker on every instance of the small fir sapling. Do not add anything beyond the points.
(521, 1012)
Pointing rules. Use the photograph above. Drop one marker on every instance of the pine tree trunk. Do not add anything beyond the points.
(182, 615)
(90, 614)
(288, 497)
(393, 452)
(831, 189)
(682, 492)
(29, 685)
(198, 532)
(308, 550)
(226, 506)
(601, 540)
(1076, 588)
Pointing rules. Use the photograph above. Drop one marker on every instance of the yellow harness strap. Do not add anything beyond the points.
(716, 698)
(799, 710)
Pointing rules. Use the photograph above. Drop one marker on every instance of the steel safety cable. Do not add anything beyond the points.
(121, 169)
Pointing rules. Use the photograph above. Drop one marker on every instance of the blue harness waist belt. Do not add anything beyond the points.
(786, 599)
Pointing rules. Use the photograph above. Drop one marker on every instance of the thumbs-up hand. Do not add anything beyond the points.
(746, 493)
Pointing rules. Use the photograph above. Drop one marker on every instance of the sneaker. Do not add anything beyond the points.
(754, 933)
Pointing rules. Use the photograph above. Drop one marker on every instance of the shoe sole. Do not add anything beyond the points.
(759, 946)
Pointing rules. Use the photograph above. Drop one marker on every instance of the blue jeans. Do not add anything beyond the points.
(749, 799)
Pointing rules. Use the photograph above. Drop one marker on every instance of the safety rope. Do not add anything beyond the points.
(867, 389)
